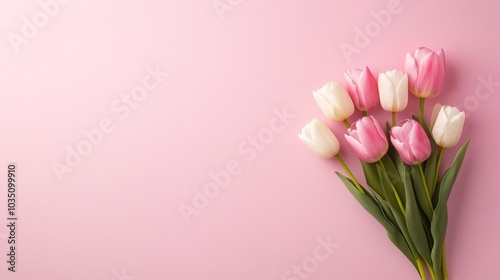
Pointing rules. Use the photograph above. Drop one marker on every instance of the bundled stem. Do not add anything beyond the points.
(349, 173)
(421, 109)
(433, 275)
(421, 270)
(346, 123)
(426, 188)
(445, 269)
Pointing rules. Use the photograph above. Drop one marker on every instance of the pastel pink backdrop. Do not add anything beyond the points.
(116, 215)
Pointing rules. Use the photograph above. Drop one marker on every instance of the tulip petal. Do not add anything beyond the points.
(367, 139)
(438, 133)
(386, 92)
(411, 69)
(454, 129)
(435, 113)
(448, 126)
(441, 70)
(334, 101)
(362, 88)
(356, 146)
(425, 72)
(428, 72)
(398, 140)
(343, 104)
(411, 141)
(422, 52)
(368, 89)
(351, 77)
(319, 139)
(401, 94)
(324, 104)
(419, 143)
(393, 90)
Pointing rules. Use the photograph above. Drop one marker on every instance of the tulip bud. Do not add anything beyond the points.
(411, 142)
(447, 124)
(334, 101)
(425, 71)
(367, 139)
(393, 90)
(362, 88)
(435, 113)
(320, 139)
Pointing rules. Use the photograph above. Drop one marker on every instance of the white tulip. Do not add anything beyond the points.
(393, 90)
(435, 113)
(447, 123)
(334, 101)
(320, 139)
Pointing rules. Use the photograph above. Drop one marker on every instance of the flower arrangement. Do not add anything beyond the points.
(406, 190)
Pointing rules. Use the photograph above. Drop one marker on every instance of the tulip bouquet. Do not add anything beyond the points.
(406, 190)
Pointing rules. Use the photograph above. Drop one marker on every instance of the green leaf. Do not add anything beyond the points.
(388, 213)
(400, 165)
(371, 177)
(440, 219)
(388, 189)
(401, 221)
(420, 191)
(374, 209)
(394, 177)
(395, 168)
(415, 223)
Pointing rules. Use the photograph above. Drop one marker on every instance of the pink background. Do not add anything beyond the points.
(116, 215)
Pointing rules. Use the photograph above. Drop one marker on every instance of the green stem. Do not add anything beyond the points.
(399, 201)
(421, 270)
(393, 118)
(364, 113)
(438, 166)
(445, 269)
(426, 188)
(433, 275)
(346, 122)
(349, 173)
(421, 109)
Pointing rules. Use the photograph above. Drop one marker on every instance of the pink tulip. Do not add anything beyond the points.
(362, 88)
(425, 71)
(367, 139)
(411, 142)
